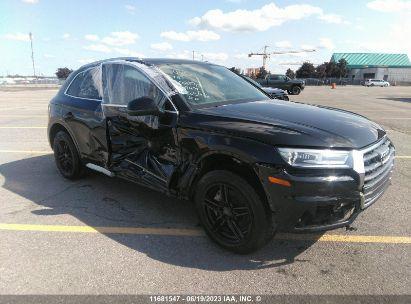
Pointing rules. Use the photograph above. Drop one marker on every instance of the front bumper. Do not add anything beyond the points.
(316, 200)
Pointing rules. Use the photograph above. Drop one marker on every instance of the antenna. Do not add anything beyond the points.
(32, 53)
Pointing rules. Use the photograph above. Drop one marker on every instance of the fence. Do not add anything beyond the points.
(345, 81)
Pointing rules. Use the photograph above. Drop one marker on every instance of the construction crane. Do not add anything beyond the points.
(266, 55)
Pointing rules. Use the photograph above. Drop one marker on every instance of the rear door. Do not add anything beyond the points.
(82, 112)
(142, 148)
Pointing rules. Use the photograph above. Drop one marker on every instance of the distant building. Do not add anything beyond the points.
(252, 72)
(395, 68)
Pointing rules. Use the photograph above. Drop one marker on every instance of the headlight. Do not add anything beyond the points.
(311, 158)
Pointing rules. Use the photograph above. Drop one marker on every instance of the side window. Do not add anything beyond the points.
(85, 85)
(123, 83)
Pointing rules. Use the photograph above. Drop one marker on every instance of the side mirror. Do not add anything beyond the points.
(142, 106)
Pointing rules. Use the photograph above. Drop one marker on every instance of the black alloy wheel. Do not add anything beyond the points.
(227, 214)
(66, 156)
(231, 212)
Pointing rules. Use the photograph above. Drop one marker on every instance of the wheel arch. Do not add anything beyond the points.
(55, 128)
(232, 163)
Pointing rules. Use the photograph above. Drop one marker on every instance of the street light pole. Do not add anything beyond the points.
(32, 54)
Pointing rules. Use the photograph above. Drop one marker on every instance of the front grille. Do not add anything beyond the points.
(378, 165)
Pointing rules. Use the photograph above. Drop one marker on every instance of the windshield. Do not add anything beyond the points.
(202, 84)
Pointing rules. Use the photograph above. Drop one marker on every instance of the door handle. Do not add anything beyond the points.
(68, 116)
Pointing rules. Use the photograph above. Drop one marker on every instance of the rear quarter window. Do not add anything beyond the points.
(85, 86)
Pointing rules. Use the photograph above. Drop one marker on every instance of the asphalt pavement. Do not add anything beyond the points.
(101, 235)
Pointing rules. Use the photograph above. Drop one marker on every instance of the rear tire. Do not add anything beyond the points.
(66, 156)
(232, 213)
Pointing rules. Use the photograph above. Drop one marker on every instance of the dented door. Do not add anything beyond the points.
(142, 148)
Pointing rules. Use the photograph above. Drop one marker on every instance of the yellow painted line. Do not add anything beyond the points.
(346, 238)
(26, 151)
(403, 157)
(22, 127)
(108, 230)
(199, 232)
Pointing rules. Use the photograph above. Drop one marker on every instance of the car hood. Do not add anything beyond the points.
(288, 124)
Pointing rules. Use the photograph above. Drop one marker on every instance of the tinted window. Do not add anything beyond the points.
(85, 85)
(124, 83)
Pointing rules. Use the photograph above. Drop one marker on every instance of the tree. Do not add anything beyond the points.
(342, 68)
(63, 73)
(235, 70)
(307, 70)
(321, 70)
(290, 73)
(262, 73)
(331, 69)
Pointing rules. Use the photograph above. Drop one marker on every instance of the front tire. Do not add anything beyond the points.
(66, 156)
(295, 90)
(232, 213)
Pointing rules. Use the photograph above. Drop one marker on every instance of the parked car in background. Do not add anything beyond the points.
(198, 131)
(292, 86)
(376, 83)
(272, 92)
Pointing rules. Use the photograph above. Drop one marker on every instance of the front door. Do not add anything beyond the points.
(141, 148)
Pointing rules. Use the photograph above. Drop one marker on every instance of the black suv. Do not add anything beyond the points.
(198, 131)
(292, 86)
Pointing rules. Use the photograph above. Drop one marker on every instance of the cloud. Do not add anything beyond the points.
(307, 47)
(326, 43)
(214, 56)
(181, 55)
(31, 1)
(261, 19)
(202, 35)
(208, 56)
(112, 43)
(162, 46)
(91, 37)
(389, 6)
(127, 52)
(241, 56)
(86, 60)
(17, 37)
(120, 38)
(283, 44)
(98, 48)
(333, 18)
(102, 48)
(49, 56)
(66, 36)
(130, 8)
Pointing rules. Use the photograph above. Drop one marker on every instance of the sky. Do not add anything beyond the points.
(73, 33)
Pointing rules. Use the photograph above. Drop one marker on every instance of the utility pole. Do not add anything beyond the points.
(266, 55)
(193, 55)
(32, 54)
